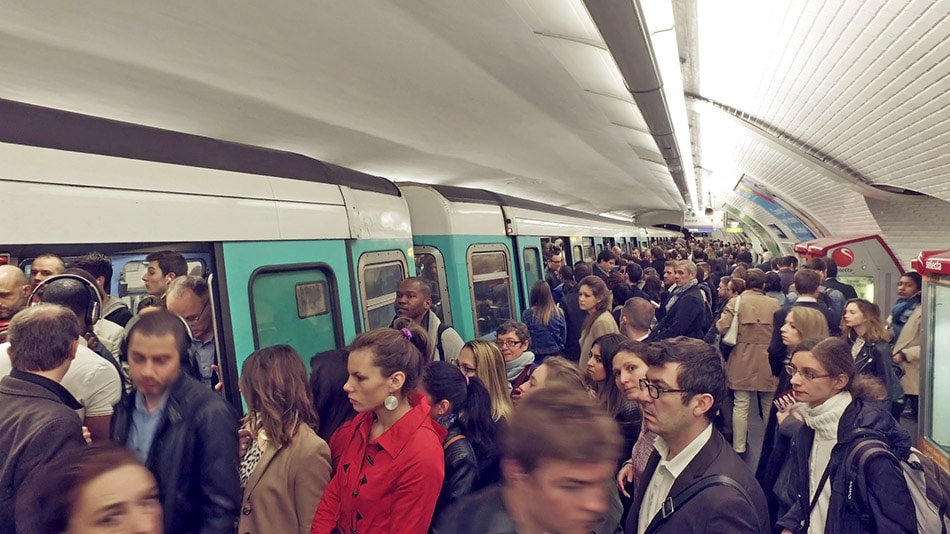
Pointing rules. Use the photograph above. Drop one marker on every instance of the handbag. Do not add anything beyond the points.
(732, 335)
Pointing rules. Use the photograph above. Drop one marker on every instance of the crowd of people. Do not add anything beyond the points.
(620, 402)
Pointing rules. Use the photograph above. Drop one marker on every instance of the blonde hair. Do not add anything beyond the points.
(810, 322)
(490, 369)
(565, 373)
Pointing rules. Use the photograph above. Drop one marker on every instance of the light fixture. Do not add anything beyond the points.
(709, 208)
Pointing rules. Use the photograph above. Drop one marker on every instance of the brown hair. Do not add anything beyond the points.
(274, 383)
(561, 423)
(810, 322)
(41, 337)
(564, 373)
(736, 284)
(600, 291)
(834, 354)
(875, 330)
(542, 302)
(395, 351)
(519, 329)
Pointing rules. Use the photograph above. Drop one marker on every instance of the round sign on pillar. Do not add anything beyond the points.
(843, 256)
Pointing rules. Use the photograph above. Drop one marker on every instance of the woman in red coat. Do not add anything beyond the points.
(390, 473)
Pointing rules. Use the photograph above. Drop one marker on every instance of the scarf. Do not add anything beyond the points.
(903, 308)
(517, 365)
(824, 417)
(678, 292)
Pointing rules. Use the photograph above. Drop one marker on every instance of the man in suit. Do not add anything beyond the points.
(686, 381)
(831, 280)
(685, 311)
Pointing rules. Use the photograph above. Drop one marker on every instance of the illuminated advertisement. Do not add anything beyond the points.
(790, 221)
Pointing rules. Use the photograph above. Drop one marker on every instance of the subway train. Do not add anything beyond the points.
(296, 250)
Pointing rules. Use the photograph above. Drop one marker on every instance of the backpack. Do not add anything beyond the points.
(928, 484)
(438, 346)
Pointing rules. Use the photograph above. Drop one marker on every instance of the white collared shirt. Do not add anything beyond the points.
(665, 475)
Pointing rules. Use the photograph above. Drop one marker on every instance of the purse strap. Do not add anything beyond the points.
(448, 443)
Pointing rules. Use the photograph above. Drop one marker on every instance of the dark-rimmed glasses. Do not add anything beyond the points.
(807, 374)
(655, 391)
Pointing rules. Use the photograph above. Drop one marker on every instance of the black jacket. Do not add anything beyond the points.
(574, 317)
(845, 289)
(874, 359)
(685, 318)
(461, 469)
(892, 509)
(194, 457)
(481, 513)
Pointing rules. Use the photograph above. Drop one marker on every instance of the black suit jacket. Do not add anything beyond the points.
(685, 318)
(845, 289)
(717, 508)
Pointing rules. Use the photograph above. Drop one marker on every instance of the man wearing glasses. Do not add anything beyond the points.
(190, 298)
(685, 382)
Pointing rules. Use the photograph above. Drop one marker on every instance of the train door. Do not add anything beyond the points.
(530, 265)
(490, 282)
(430, 266)
(379, 274)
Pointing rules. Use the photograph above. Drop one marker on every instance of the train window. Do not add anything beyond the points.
(380, 274)
(294, 305)
(430, 266)
(490, 276)
(937, 407)
(132, 287)
(578, 253)
(532, 266)
(863, 285)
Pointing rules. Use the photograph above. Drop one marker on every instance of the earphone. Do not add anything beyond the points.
(93, 309)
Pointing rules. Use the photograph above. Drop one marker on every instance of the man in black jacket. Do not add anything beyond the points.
(184, 432)
(37, 414)
(686, 311)
(573, 314)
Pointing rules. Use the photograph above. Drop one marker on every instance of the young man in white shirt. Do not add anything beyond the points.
(686, 381)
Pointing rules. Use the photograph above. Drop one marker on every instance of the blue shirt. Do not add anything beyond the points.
(144, 426)
(204, 353)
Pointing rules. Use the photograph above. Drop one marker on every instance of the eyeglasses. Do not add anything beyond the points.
(194, 318)
(465, 368)
(655, 391)
(807, 374)
(507, 343)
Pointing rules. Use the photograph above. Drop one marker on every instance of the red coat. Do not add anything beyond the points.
(389, 485)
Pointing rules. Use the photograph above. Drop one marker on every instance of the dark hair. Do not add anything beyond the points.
(639, 313)
(634, 272)
(328, 374)
(41, 336)
(565, 272)
(834, 354)
(169, 262)
(653, 287)
(755, 279)
(274, 384)
(818, 264)
(70, 293)
(608, 393)
(701, 369)
(582, 269)
(162, 323)
(97, 264)
(807, 281)
(424, 286)
(394, 351)
(46, 500)
(561, 423)
(773, 282)
(831, 267)
(606, 255)
(149, 300)
(470, 402)
(915, 276)
(744, 257)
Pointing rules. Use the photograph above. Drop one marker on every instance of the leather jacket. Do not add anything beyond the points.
(461, 469)
(194, 457)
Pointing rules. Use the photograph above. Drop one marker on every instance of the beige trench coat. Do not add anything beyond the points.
(748, 366)
(909, 343)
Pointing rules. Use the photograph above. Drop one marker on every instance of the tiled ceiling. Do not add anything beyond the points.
(859, 87)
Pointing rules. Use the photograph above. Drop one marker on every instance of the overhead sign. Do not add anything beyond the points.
(790, 222)
(733, 230)
(701, 220)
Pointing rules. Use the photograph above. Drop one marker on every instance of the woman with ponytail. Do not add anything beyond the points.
(840, 408)
(463, 407)
(390, 472)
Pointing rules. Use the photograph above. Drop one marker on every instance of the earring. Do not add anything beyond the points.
(391, 402)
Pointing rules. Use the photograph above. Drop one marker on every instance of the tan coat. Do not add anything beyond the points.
(283, 492)
(909, 344)
(604, 324)
(748, 367)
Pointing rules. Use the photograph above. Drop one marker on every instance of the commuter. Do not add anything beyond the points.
(545, 322)
(328, 374)
(481, 359)
(555, 371)
(100, 488)
(183, 432)
(773, 287)
(100, 267)
(636, 318)
(285, 466)
(44, 266)
(831, 279)
(606, 261)
(787, 265)
(800, 324)
(747, 369)
(163, 267)
(14, 296)
(93, 378)
(189, 297)
(659, 259)
(565, 277)
(553, 262)
(832, 297)
(838, 405)
(806, 284)
(905, 322)
(864, 329)
(392, 468)
(462, 406)
(669, 276)
(653, 287)
(595, 300)
(600, 379)
(686, 312)
(414, 300)
(513, 340)
(104, 336)
(37, 421)
(147, 304)
(574, 316)
(557, 456)
(686, 381)
(629, 368)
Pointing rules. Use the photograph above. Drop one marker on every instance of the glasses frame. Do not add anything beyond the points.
(655, 391)
(195, 318)
(506, 343)
(792, 371)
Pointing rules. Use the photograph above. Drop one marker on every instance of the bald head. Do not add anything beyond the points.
(14, 291)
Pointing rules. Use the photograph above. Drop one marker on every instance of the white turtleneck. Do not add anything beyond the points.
(823, 419)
